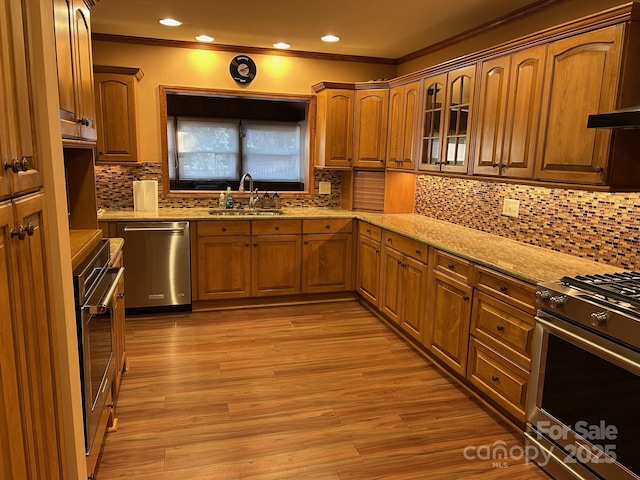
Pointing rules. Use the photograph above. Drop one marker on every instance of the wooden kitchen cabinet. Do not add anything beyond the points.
(583, 76)
(116, 90)
(20, 170)
(276, 257)
(404, 119)
(447, 332)
(370, 128)
(506, 125)
(502, 328)
(403, 293)
(327, 255)
(29, 444)
(369, 262)
(75, 69)
(223, 260)
(334, 126)
(448, 111)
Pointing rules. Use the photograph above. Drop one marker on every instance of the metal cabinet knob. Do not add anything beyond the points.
(599, 318)
(557, 301)
(451, 266)
(495, 378)
(23, 231)
(500, 328)
(503, 288)
(24, 164)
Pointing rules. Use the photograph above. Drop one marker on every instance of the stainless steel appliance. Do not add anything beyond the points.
(95, 284)
(583, 416)
(157, 263)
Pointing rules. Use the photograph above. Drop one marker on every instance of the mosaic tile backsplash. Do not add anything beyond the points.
(114, 188)
(603, 227)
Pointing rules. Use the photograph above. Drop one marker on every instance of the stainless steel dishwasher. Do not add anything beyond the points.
(157, 265)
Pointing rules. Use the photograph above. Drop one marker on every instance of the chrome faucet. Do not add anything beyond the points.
(252, 199)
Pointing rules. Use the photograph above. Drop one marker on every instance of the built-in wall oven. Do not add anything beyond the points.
(583, 414)
(95, 284)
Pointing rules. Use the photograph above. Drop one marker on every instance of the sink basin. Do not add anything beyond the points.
(253, 213)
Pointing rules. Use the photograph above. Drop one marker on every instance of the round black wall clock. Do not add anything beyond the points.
(242, 69)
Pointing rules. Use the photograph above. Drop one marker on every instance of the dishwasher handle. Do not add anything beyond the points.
(155, 229)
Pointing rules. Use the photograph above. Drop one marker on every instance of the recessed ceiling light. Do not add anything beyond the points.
(204, 38)
(281, 45)
(170, 22)
(329, 38)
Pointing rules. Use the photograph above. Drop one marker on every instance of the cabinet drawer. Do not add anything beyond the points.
(370, 231)
(503, 327)
(503, 381)
(329, 225)
(277, 227)
(411, 248)
(507, 289)
(224, 227)
(453, 266)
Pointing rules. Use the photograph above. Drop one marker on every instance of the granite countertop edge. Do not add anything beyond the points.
(526, 262)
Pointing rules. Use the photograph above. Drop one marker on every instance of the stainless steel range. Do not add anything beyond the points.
(583, 415)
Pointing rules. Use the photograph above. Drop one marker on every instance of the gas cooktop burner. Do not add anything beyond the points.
(618, 287)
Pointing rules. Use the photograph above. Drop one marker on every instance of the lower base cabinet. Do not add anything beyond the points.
(119, 347)
(368, 263)
(447, 334)
(275, 265)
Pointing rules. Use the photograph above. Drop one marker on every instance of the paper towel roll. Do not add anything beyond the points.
(145, 196)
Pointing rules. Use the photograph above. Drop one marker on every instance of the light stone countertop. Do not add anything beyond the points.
(523, 261)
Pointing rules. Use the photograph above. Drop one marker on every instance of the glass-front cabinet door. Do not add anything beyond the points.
(433, 126)
(448, 105)
(458, 110)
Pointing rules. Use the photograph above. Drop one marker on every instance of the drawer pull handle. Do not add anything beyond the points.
(465, 298)
(418, 251)
(368, 230)
(500, 327)
(503, 288)
(389, 239)
(328, 225)
(224, 229)
(451, 266)
(255, 244)
(495, 378)
(277, 227)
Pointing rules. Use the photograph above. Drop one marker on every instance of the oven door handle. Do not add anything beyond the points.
(614, 357)
(103, 305)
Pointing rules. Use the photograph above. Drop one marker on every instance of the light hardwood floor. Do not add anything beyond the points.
(303, 392)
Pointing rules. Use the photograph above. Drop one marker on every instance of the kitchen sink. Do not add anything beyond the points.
(241, 212)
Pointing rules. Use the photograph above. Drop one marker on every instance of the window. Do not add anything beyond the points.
(213, 140)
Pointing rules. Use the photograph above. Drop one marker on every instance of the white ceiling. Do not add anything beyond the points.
(373, 28)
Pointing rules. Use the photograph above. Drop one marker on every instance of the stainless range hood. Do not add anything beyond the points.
(623, 118)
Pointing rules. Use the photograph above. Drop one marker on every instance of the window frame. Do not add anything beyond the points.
(307, 150)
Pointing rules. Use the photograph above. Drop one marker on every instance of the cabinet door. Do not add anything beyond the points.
(490, 121)
(391, 291)
(458, 113)
(410, 144)
(581, 78)
(35, 331)
(118, 315)
(368, 277)
(223, 267)
(414, 301)
(16, 112)
(64, 33)
(275, 265)
(448, 330)
(326, 263)
(13, 461)
(116, 117)
(86, 108)
(334, 129)
(396, 127)
(433, 122)
(370, 137)
(523, 112)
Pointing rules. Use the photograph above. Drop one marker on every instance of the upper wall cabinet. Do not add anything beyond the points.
(75, 71)
(334, 127)
(116, 91)
(508, 112)
(448, 109)
(404, 115)
(370, 129)
(584, 75)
